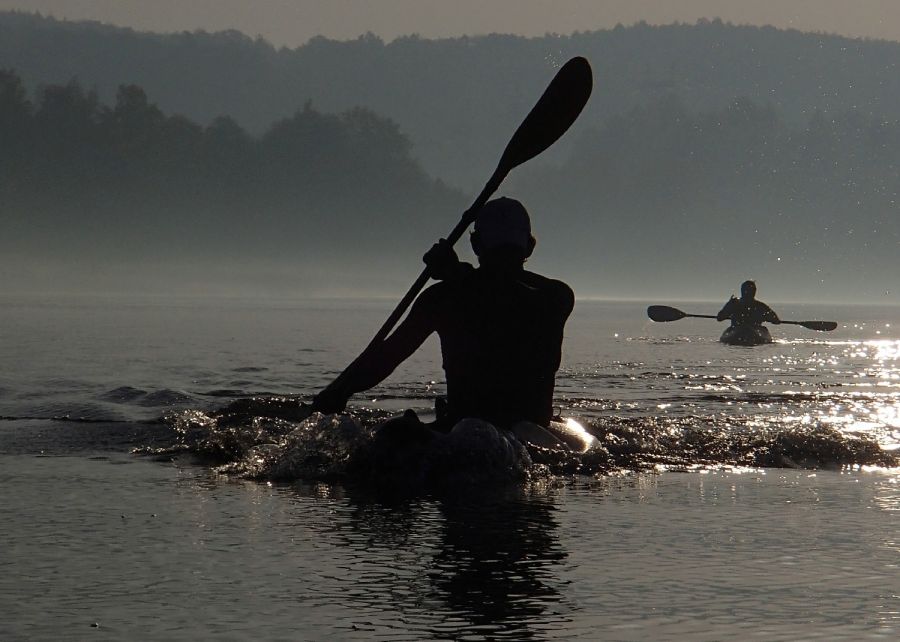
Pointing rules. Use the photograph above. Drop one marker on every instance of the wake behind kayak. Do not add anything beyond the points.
(268, 439)
(273, 439)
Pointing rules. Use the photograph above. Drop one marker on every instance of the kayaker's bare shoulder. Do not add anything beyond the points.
(552, 287)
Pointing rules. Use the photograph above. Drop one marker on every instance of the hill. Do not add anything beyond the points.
(708, 154)
(457, 99)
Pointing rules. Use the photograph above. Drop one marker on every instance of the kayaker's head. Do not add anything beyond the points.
(502, 233)
(748, 290)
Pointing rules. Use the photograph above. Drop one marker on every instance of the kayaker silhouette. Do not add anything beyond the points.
(747, 315)
(500, 328)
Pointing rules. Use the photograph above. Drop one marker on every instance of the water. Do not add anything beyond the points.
(688, 531)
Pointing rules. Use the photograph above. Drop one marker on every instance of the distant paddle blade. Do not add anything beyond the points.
(663, 313)
(821, 326)
(554, 113)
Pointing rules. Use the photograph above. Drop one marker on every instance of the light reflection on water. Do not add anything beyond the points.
(849, 384)
(155, 551)
(876, 411)
(163, 552)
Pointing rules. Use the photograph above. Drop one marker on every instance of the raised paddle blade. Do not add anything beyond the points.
(663, 313)
(552, 115)
(821, 326)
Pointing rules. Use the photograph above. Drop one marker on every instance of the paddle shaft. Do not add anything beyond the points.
(467, 218)
(821, 326)
(553, 114)
(812, 325)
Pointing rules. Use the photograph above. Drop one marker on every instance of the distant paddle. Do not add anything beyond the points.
(663, 313)
(821, 326)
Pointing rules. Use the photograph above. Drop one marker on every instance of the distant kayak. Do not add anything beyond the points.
(746, 335)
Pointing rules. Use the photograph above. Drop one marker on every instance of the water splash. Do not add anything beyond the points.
(279, 439)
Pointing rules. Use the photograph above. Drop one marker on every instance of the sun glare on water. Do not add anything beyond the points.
(874, 406)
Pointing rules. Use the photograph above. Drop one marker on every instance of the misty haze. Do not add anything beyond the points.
(708, 154)
(204, 434)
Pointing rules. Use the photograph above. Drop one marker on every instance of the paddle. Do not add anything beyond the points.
(550, 118)
(552, 115)
(821, 326)
(663, 313)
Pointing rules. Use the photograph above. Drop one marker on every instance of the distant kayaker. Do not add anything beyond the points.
(747, 311)
(500, 328)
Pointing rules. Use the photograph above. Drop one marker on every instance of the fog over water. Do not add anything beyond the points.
(199, 230)
(708, 154)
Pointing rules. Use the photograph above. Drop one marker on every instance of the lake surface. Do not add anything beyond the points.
(745, 492)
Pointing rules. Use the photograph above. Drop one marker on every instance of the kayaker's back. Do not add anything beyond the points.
(501, 338)
(747, 312)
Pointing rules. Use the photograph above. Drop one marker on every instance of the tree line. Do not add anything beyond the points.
(458, 99)
(124, 177)
(738, 186)
(705, 144)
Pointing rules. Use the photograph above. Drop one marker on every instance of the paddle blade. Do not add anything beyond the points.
(821, 326)
(554, 113)
(663, 313)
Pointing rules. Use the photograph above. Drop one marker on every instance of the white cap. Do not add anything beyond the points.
(503, 221)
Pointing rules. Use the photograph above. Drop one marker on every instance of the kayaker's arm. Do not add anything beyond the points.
(374, 365)
(770, 316)
(727, 310)
(443, 264)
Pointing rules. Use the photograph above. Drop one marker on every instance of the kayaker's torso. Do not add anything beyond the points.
(743, 312)
(501, 339)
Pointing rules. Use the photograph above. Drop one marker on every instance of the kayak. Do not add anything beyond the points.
(746, 335)
(278, 439)
(474, 453)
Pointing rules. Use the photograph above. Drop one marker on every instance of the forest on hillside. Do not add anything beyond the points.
(737, 186)
(459, 99)
(707, 154)
(126, 179)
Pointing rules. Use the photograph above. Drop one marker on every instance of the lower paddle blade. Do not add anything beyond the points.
(663, 313)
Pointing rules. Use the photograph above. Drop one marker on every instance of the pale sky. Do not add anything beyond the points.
(293, 22)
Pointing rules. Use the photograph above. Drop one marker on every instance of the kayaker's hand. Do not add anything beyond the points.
(442, 261)
(723, 315)
(330, 401)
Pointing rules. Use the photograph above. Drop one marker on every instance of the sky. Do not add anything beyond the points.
(293, 22)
